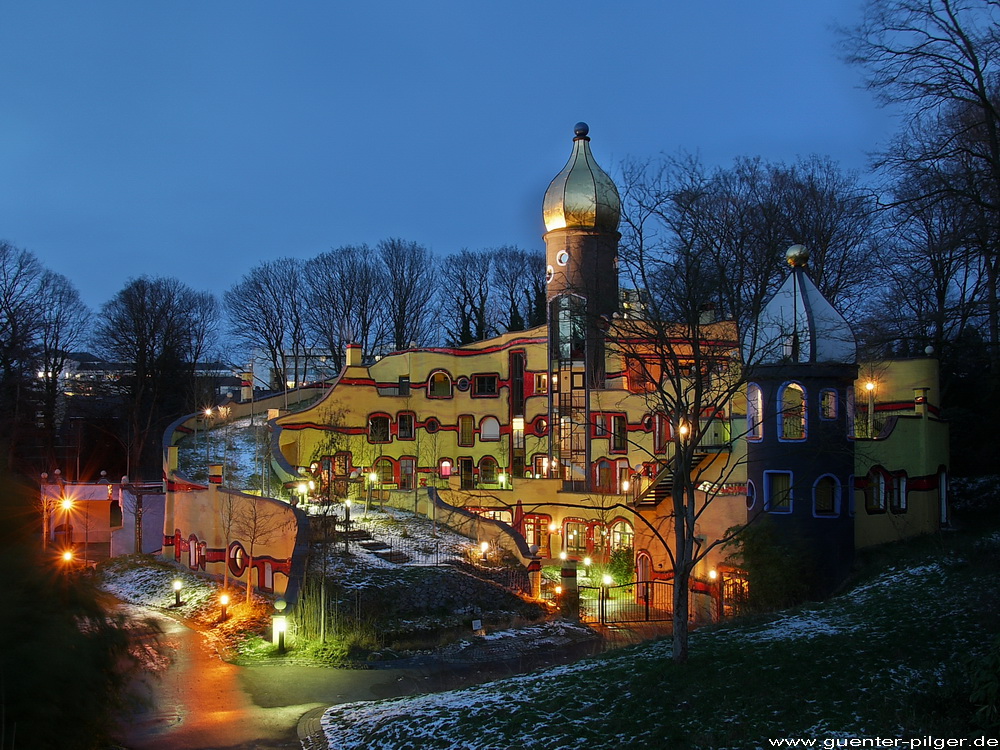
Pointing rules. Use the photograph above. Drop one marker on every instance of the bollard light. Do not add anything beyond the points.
(177, 592)
(586, 562)
(607, 580)
(484, 547)
(224, 601)
(563, 555)
(279, 625)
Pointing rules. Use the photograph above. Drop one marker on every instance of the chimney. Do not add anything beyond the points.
(354, 355)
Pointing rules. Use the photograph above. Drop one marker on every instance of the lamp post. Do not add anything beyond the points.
(177, 592)
(67, 505)
(279, 625)
(208, 457)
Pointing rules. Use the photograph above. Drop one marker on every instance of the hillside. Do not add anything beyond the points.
(893, 656)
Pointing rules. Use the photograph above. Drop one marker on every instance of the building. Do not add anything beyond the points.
(561, 430)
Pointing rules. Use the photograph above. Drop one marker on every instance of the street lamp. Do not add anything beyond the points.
(177, 592)
(279, 624)
(208, 417)
(870, 387)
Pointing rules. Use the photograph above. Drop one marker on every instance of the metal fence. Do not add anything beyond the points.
(643, 601)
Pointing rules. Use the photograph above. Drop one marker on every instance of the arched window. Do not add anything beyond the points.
(826, 497)
(489, 429)
(622, 535)
(755, 408)
(604, 476)
(439, 385)
(751, 495)
(488, 470)
(792, 417)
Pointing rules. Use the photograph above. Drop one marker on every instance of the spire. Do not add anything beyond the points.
(798, 324)
(581, 195)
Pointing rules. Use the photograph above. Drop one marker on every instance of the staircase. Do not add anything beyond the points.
(662, 486)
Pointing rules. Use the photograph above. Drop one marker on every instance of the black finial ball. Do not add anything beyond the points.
(581, 129)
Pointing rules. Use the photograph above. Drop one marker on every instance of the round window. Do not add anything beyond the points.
(462, 384)
(549, 273)
(432, 425)
(562, 258)
(541, 426)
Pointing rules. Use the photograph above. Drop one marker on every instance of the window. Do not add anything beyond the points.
(751, 495)
(826, 497)
(407, 467)
(897, 500)
(619, 433)
(444, 468)
(439, 386)
(792, 419)
(489, 429)
(517, 364)
(661, 433)
(541, 382)
(576, 538)
(778, 491)
(378, 429)
(432, 425)
(404, 385)
(466, 429)
(485, 385)
(828, 404)
(875, 493)
(603, 476)
(755, 408)
(404, 426)
(622, 535)
(488, 470)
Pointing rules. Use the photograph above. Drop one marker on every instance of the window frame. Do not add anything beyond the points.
(898, 501)
(492, 437)
(833, 412)
(478, 379)
(787, 418)
(618, 438)
(401, 417)
(431, 384)
(388, 428)
(755, 412)
(768, 491)
(875, 492)
(466, 437)
(837, 492)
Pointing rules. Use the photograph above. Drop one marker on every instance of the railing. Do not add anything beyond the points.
(642, 601)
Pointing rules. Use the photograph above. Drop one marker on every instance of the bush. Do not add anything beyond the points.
(777, 574)
(622, 565)
(985, 677)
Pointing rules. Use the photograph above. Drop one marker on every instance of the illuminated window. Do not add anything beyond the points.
(444, 468)
(755, 408)
(792, 419)
(778, 491)
(826, 497)
(407, 467)
(383, 467)
(541, 382)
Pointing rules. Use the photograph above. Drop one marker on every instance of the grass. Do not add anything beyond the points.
(890, 656)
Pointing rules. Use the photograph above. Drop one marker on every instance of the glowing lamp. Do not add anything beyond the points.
(607, 580)
(587, 561)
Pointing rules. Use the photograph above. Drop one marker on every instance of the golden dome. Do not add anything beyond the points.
(581, 195)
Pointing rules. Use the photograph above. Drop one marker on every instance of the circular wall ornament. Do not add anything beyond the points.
(432, 425)
(549, 273)
(562, 258)
(541, 426)
(462, 384)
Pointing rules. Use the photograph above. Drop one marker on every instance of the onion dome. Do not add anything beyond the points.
(581, 195)
(799, 324)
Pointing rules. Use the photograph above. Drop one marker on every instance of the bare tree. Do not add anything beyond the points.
(259, 521)
(266, 310)
(466, 298)
(511, 276)
(409, 291)
(62, 326)
(158, 327)
(229, 508)
(345, 300)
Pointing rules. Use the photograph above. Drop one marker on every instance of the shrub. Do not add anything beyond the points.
(776, 573)
(622, 565)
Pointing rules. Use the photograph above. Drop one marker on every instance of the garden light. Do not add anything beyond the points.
(177, 592)
(607, 580)
(224, 601)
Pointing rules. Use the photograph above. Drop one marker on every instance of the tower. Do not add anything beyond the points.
(581, 211)
(800, 457)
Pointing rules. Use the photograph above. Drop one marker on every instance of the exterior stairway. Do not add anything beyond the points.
(662, 486)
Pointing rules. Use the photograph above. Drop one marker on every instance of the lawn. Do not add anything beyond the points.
(892, 656)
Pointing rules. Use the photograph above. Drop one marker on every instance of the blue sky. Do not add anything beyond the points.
(196, 139)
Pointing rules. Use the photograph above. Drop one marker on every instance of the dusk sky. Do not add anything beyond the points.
(197, 139)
